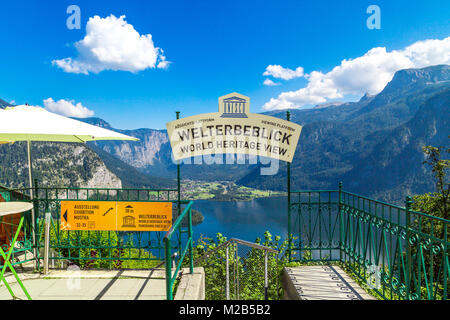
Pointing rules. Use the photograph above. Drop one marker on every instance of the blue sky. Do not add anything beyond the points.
(214, 48)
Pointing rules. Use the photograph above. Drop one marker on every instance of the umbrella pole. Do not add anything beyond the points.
(30, 177)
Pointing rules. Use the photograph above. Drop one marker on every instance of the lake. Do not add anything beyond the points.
(244, 220)
(248, 220)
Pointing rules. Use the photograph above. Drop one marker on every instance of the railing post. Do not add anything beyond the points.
(236, 263)
(266, 280)
(33, 211)
(178, 175)
(34, 225)
(408, 203)
(178, 189)
(341, 222)
(191, 257)
(445, 262)
(48, 216)
(288, 118)
(227, 284)
(169, 293)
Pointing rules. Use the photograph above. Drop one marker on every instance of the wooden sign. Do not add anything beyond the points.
(233, 130)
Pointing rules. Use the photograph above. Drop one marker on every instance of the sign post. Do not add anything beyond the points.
(178, 178)
(235, 130)
(48, 217)
(288, 118)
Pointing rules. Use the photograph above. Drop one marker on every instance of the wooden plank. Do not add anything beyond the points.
(321, 283)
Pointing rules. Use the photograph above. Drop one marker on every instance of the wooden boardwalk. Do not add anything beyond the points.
(321, 283)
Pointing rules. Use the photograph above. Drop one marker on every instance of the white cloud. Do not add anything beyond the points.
(368, 73)
(279, 72)
(113, 44)
(269, 82)
(67, 108)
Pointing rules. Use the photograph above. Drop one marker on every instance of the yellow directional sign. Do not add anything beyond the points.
(144, 216)
(120, 216)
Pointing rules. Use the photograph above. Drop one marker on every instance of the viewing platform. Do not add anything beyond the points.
(342, 244)
(105, 285)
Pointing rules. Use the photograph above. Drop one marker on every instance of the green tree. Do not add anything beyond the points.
(438, 202)
(435, 203)
(98, 249)
(248, 263)
(428, 255)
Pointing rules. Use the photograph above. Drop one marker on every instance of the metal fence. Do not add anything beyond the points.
(407, 252)
(314, 224)
(100, 249)
(185, 216)
(105, 249)
(241, 270)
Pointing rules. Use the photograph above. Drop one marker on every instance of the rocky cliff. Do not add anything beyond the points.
(55, 164)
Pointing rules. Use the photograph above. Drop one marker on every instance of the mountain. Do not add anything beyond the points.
(151, 155)
(345, 145)
(129, 175)
(329, 104)
(373, 145)
(149, 152)
(71, 164)
(4, 104)
(399, 157)
(339, 141)
(54, 165)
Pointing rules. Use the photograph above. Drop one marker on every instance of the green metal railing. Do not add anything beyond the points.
(100, 249)
(407, 251)
(315, 219)
(107, 248)
(171, 277)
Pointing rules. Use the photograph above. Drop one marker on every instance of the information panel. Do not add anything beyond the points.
(233, 130)
(116, 216)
